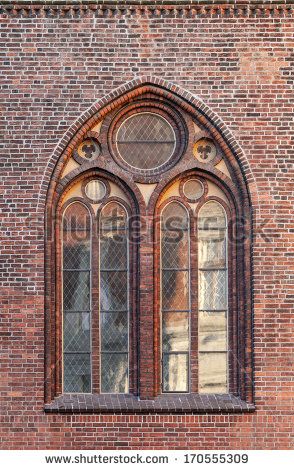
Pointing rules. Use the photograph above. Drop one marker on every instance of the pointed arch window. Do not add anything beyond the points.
(149, 266)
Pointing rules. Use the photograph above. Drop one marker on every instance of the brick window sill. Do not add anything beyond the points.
(167, 403)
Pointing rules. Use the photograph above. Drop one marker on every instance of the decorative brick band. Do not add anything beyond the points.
(147, 8)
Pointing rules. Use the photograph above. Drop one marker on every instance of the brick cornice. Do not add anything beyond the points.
(147, 8)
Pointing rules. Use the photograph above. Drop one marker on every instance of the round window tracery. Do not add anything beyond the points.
(145, 141)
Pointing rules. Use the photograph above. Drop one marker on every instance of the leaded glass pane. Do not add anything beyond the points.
(175, 290)
(113, 290)
(114, 331)
(76, 263)
(175, 253)
(113, 250)
(95, 190)
(212, 249)
(211, 215)
(114, 373)
(114, 315)
(175, 331)
(77, 373)
(145, 141)
(113, 217)
(175, 372)
(174, 218)
(76, 253)
(76, 218)
(193, 189)
(76, 290)
(212, 372)
(212, 290)
(76, 331)
(212, 331)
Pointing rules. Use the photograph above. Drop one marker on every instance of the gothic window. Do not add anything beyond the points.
(151, 261)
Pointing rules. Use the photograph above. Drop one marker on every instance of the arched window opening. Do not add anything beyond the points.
(213, 298)
(148, 287)
(114, 299)
(175, 298)
(76, 282)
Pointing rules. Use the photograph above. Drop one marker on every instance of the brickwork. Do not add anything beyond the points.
(232, 64)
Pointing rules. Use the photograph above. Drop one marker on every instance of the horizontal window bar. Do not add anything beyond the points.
(76, 352)
(76, 270)
(145, 142)
(114, 311)
(176, 270)
(175, 311)
(113, 270)
(114, 352)
(212, 269)
(76, 311)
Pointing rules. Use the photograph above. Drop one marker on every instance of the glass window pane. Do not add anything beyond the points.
(175, 372)
(175, 252)
(114, 331)
(175, 290)
(145, 140)
(211, 215)
(113, 250)
(76, 218)
(76, 332)
(175, 331)
(175, 217)
(212, 290)
(212, 331)
(113, 290)
(76, 251)
(114, 315)
(95, 190)
(212, 372)
(114, 373)
(77, 373)
(113, 217)
(212, 249)
(76, 290)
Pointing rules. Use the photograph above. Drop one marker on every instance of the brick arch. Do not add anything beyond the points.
(164, 89)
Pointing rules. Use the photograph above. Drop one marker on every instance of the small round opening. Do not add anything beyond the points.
(193, 189)
(95, 190)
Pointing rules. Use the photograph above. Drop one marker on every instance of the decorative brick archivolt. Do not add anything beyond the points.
(157, 8)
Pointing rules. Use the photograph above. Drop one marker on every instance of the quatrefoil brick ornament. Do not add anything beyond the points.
(205, 150)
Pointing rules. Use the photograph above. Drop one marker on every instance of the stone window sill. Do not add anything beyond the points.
(166, 403)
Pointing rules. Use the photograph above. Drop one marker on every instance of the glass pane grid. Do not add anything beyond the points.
(114, 372)
(145, 141)
(77, 373)
(76, 290)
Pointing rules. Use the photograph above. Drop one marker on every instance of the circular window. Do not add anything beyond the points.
(89, 149)
(193, 189)
(95, 190)
(146, 141)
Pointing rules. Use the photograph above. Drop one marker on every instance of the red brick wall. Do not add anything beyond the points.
(58, 62)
